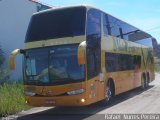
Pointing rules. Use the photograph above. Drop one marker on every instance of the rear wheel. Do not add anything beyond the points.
(147, 80)
(144, 82)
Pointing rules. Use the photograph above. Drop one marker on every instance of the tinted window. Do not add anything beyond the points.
(93, 42)
(111, 25)
(93, 28)
(93, 63)
(117, 28)
(57, 24)
(93, 22)
(53, 65)
(63, 64)
(36, 65)
(121, 62)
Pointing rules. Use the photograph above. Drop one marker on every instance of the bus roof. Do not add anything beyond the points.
(88, 7)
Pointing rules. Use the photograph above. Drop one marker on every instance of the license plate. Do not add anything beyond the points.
(50, 101)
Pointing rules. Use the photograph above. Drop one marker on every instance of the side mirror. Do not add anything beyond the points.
(82, 53)
(12, 57)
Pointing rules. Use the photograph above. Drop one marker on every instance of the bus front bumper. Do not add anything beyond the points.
(74, 100)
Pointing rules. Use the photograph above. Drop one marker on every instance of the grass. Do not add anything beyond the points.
(157, 68)
(11, 98)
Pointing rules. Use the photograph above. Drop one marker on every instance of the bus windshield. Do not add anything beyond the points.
(57, 23)
(54, 65)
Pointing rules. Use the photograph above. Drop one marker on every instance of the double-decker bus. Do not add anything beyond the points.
(79, 55)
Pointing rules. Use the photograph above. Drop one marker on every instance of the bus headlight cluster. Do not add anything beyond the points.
(29, 93)
(74, 92)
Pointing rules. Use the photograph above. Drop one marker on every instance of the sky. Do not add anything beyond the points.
(144, 14)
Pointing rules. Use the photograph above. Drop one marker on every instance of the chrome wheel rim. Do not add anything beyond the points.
(108, 93)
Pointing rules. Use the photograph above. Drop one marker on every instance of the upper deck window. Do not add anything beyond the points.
(117, 28)
(93, 30)
(57, 24)
(93, 22)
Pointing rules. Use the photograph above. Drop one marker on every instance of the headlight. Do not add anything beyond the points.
(29, 93)
(74, 92)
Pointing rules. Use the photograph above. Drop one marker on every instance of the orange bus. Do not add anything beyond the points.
(79, 55)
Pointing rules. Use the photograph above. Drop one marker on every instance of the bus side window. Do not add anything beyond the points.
(112, 26)
(93, 42)
(111, 61)
(106, 25)
(137, 60)
(92, 63)
(121, 62)
(93, 28)
(93, 22)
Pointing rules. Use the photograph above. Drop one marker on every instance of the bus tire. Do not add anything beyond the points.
(109, 91)
(143, 81)
(148, 80)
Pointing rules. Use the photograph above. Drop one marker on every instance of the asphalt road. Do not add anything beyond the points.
(132, 102)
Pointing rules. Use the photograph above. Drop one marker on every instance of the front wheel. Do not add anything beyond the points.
(109, 92)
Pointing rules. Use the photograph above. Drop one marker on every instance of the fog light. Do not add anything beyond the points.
(26, 101)
(83, 100)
